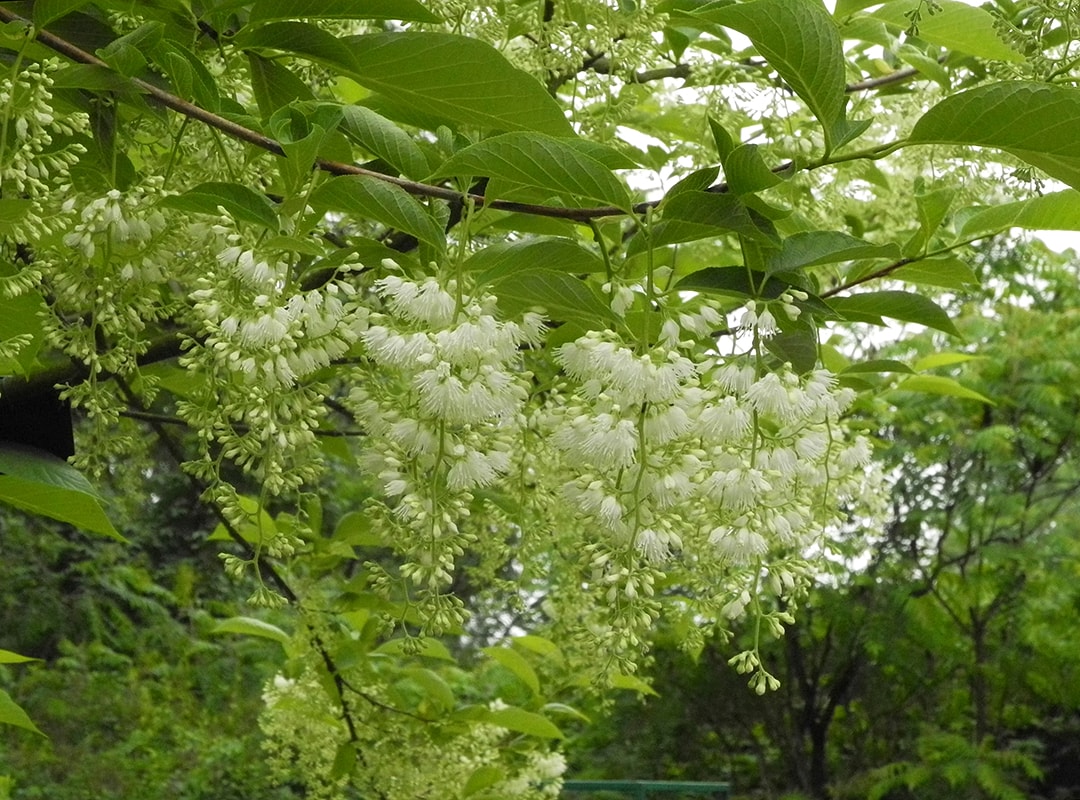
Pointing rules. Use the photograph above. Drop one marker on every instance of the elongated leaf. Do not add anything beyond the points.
(558, 255)
(301, 38)
(384, 139)
(903, 306)
(1059, 211)
(370, 198)
(242, 203)
(435, 689)
(697, 181)
(933, 205)
(633, 683)
(46, 11)
(955, 25)
(35, 481)
(695, 215)
(824, 247)
(877, 365)
(940, 384)
(541, 646)
(800, 41)
(746, 171)
(935, 360)
(517, 664)
(1036, 122)
(741, 282)
(8, 657)
(522, 721)
(543, 162)
(21, 316)
(12, 714)
(797, 345)
(249, 626)
(405, 10)
(949, 272)
(483, 777)
(274, 85)
(458, 78)
(563, 297)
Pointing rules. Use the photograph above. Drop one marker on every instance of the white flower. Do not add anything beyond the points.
(653, 545)
(725, 421)
(735, 378)
(739, 543)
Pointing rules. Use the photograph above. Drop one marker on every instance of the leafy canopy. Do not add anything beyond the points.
(546, 280)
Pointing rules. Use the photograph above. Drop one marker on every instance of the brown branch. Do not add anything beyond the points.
(270, 145)
(900, 76)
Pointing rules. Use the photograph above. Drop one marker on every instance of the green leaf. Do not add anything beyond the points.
(12, 714)
(733, 281)
(935, 360)
(812, 248)
(481, 89)
(517, 664)
(633, 683)
(1036, 122)
(8, 657)
(798, 345)
(385, 140)
(933, 205)
(127, 54)
(35, 481)
(955, 25)
(188, 74)
(940, 384)
(722, 139)
(46, 11)
(93, 78)
(695, 215)
(877, 365)
(1059, 211)
(21, 316)
(483, 777)
(949, 272)
(434, 687)
(565, 710)
(355, 529)
(563, 297)
(404, 10)
(249, 626)
(697, 181)
(371, 198)
(242, 203)
(503, 259)
(903, 306)
(522, 721)
(345, 761)
(300, 38)
(801, 42)
(746, 171)
(257, 528)
(275, 85)
(542, 162)
(541, 646)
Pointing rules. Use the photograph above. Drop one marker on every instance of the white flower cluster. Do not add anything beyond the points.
(38, 147)
(442, 403)
(715, 460)
(262, 341)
